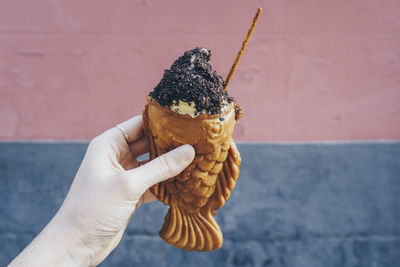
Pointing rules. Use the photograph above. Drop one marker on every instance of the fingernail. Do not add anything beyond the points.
(187, 152)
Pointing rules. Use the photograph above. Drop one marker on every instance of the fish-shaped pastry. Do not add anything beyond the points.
(205, 185)
(190, 106)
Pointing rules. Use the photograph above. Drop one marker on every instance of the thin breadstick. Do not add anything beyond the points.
(244, 44)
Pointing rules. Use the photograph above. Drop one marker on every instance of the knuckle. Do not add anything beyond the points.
(99, 139)
(165, 167)
(95, 141)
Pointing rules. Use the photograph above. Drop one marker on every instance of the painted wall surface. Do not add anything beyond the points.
(306, 205)
(314, 70)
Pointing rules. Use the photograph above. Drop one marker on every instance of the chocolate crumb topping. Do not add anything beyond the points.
(191, 78)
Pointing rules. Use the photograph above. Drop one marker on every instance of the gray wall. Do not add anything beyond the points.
(294, 205)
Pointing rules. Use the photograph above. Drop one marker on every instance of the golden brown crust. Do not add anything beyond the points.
(205, 185)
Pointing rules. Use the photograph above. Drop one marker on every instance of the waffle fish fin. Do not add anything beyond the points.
(227, 178)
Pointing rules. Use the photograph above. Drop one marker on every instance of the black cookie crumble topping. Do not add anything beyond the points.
(191, 78)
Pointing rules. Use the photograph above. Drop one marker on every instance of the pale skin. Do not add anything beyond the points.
(107, 189)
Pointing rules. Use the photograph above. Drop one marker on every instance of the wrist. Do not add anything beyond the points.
(66, 235)
(57, 245)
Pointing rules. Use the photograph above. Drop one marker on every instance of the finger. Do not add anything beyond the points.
(134, 164)
(161, 168)
(142, 162)
(140, 147)
(132, 127)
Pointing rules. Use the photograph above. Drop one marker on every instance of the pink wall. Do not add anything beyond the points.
(314, 70)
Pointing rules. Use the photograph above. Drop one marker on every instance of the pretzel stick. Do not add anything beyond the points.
(244, 44)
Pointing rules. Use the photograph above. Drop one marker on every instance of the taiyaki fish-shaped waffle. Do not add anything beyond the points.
(205, 185)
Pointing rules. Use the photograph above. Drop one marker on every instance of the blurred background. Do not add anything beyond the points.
(319, 84)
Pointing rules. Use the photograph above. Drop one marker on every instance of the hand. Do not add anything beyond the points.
(106, 191)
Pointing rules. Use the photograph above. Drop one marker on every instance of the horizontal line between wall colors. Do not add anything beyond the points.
(254, 143)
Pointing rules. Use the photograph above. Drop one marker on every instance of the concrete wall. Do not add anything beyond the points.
(314, 70)
(294, 205)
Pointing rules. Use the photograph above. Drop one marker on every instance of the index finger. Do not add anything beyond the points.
(132, 127)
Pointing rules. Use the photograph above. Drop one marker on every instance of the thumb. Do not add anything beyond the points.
(161, 168)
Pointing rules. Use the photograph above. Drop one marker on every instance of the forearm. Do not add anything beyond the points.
(56, 245)
(107, 189)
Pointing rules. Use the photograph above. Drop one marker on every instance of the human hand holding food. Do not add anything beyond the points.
(108, 187)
